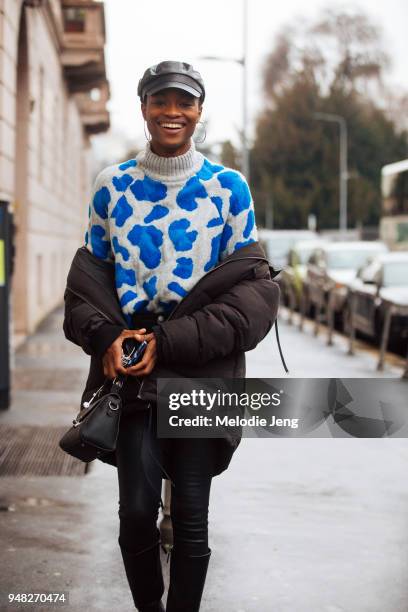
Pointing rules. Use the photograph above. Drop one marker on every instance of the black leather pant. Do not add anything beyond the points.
(140, 459)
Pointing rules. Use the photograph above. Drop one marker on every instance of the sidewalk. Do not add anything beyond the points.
(296, 525)
(309, 356)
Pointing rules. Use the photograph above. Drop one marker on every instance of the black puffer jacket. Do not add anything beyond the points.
(228, 312)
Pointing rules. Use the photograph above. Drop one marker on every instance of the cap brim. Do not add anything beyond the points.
(171, 83)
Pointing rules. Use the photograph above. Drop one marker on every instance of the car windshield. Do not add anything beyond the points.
(280, 246)
(303, 254)
(351, 260)
(395, 274)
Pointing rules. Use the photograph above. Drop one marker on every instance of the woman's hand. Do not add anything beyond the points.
(148, 361)
(112, 359)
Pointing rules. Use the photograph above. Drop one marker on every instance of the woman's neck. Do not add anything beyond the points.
(171, 167)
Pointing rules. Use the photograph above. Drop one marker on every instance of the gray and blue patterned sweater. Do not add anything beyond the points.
(165, 222)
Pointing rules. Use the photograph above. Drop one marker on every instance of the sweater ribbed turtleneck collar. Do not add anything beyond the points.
(179, 167)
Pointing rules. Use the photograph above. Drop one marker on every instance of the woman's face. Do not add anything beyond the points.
(171, 116)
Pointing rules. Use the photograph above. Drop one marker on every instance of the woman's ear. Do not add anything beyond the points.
(143, 109)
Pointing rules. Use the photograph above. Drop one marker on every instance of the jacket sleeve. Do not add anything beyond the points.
(236, 320)
(86, 327)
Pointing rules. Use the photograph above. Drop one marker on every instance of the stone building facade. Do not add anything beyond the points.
(53, 95)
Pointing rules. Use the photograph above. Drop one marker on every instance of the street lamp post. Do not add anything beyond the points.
(343, 177)
(242, 62)
(245, 150)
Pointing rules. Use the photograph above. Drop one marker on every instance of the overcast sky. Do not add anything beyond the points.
(140, 34)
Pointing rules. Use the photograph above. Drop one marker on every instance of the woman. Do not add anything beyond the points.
(190, 278)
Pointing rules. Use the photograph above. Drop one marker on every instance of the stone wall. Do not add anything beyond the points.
(45, 160)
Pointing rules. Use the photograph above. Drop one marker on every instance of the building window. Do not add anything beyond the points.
(74, 20)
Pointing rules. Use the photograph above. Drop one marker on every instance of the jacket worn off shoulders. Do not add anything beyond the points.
(228, 312)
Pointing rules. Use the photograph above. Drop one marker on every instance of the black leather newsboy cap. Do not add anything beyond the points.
(171, 74)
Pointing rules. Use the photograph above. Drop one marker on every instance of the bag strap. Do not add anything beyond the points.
(279, 346)
(118, 383)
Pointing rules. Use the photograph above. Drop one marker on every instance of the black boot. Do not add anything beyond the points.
(187, 579)
(145, 577)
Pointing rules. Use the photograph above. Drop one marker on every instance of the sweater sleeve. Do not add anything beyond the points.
(240, 226)
(97, 237)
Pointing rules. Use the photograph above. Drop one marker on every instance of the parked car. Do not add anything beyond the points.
(294, 274)
(277, 244)
(384, 279)
(333, 266)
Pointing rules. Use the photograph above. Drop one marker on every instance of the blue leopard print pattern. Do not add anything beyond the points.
(165, 234)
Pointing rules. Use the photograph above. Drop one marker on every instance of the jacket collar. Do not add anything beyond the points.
(253, 249)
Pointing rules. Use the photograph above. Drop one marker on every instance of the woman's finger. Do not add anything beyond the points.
(149, 337)
(144, 372)
(139, 368)
(110, 373)
(117, 364)
(139, 337)
(130, 333)
(106, 366)
(136, 369)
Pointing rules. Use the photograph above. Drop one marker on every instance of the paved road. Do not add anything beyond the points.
(296, 525)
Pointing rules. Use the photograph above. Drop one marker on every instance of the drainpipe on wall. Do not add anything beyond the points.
(5, 277)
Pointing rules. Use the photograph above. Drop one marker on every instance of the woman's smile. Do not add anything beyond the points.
(171, 127)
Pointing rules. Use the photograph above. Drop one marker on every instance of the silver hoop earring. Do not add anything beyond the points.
(146, 136)
(203, 131)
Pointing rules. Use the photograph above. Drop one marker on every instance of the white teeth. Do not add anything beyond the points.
(171, 125)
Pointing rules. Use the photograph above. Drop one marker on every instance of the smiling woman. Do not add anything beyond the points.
(177, 236)
(172, 95)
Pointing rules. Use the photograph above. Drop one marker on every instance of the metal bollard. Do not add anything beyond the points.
(304, 305)
(405, 374)
(318, 311)
(352, 332)
(166, 528)
(384, 337)
(330, 318)
(292, 303)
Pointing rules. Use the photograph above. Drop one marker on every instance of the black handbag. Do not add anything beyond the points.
(95, 429)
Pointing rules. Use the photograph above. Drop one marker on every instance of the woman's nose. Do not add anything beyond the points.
(172, 110)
